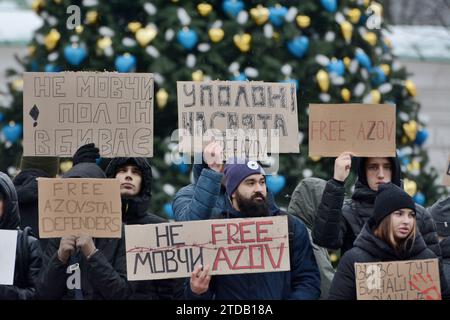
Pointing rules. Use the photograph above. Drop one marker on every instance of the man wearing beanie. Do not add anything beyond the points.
(246, 194)
(338, 223)
(389, 235)
(440, 212)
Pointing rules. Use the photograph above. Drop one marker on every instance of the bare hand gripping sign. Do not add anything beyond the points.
(172, 250)
(63, 111)
(71, 206)
(367, 130)
(398, 280)
(236, 111)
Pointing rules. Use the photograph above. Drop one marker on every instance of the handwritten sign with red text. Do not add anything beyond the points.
(398, 280)
(364, 129)
(172, 250)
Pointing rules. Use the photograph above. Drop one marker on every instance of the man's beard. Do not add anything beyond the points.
(253, 208)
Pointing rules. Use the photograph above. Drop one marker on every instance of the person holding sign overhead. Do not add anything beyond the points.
(389, 235)
(247, 198)
(28, 252)
(338, 223)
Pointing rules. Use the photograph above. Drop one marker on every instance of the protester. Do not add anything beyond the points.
(338, 223)
(389, 235)
(28, 252)
(304, 202)
(247, 197)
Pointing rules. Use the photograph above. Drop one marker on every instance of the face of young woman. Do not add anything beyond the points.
(403, 222)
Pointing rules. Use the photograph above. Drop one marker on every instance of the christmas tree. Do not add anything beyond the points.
(333, 50)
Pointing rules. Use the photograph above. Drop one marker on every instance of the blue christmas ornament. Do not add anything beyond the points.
(125, 63)
(419, 198)
(187, 38)
(378, 76)
(294, 81)
(12, 132)
(329, 5)
(183, 168)
(51, 68)
(240, 77)
(34, 66)
(2, 117)
(298, 46)
(277, 14)
(75, 55)
(421, 137)
(364, 60)
(275, 183)
(232, 7)
(168, 210)
(337, 67)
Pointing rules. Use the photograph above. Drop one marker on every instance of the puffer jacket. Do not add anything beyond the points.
(28, 252)
(302, 282)
(304, 203)
(103, 276)
(369, 248)
(136, 211)
(339, 222)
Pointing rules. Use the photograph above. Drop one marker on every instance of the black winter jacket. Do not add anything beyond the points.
(445, 248)
(28, 251)
(369, 248)
(339, 222)
(136, 211)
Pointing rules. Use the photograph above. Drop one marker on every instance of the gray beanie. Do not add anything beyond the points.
(440, 212)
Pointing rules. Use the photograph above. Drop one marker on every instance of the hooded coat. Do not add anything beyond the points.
(369, 248)
(136, 211)
(103, 276)
(304, 203)
(28, 263)
(338, 223)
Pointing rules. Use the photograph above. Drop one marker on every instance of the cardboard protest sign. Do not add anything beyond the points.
(367, 130)
(8, 243)
(229, 246)
(398, 280)
(249, 119)
(446, 180)
(63, 111)
(71, 206)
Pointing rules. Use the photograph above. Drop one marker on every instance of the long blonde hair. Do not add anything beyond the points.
(385, 231)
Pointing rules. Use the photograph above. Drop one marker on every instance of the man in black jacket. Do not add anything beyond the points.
(28, 251)
(338, 223)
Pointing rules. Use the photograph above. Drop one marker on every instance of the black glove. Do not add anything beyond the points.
(87, 153)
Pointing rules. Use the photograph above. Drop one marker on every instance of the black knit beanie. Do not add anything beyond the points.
(389, 199)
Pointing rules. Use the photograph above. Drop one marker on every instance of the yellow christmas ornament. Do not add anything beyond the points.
(386, 69)
(376, 96)
(51, 39)
(347, 62)
(354, 15)
(104, 43)
(411, 88)
(242, 41)
(303, 21)
(346, 94)
(315, 158)
(413, 166)
(347, 31)
(161, 98)
(216, 34)
(410, 129)
(145, 35)
(91, 16)
(371, 38)
(410, 187)
(197, 75)
(37, 5)
(204, 9)
(65, 166)
(79, 29)
(260, 14)
(134, 26)
(31, 50)
(17, 85)
(323, 80)
(366, 3)
(333, 257)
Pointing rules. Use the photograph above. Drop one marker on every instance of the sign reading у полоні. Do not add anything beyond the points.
(65, 110)
(398, 280)
(248, 118)
(366, 130)
(172, 250)
(71, 206)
